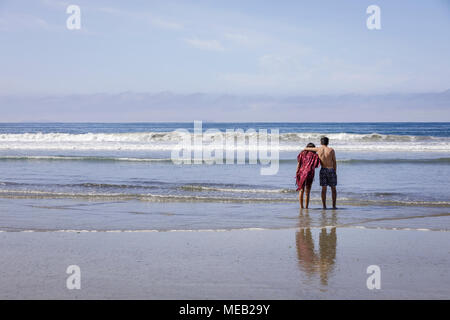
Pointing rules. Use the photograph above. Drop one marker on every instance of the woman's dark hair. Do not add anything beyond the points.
(311, 145)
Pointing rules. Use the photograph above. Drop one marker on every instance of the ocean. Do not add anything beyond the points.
(120, 177)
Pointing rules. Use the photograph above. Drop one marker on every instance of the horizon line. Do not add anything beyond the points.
(207, 121)
(224, 93)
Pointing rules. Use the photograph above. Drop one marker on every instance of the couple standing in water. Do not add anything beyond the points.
(308, 160)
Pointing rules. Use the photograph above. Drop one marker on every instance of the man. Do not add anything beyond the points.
(328, 171)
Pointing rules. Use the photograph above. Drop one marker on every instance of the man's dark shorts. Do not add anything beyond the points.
(328, 177)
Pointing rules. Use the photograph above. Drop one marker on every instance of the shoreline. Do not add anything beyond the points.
(38, 215)
(294, 263)
(358, 227)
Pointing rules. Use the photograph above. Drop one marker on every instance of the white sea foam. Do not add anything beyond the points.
(225, 230)
(206, 198)
(85, 158)
(140, 137)
(165, 141)
(236, 190)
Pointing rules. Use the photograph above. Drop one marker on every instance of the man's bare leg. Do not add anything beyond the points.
(308, 191)
(334, 195)
(300, 198)
(324, 197)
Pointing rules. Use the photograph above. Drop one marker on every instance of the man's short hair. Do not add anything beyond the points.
(324, 141)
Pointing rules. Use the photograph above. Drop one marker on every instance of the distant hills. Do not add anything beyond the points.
(168, 106)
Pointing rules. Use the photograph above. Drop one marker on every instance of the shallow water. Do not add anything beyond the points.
(120, 176)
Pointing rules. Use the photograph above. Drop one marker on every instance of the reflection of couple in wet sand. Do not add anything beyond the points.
(312, 262)
(308, 160)
(321, 262)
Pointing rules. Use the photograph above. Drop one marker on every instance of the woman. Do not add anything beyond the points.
(308, 161)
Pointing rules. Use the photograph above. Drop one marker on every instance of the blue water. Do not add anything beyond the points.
(120, 176)
(437, 129)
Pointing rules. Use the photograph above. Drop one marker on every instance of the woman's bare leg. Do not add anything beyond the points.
(308, 191)
(300, 198)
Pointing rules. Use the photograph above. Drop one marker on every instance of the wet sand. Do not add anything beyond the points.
(316, 263)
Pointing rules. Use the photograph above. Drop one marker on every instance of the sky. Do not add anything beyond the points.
(212, 47)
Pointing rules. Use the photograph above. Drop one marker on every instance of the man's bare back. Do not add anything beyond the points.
(327, 157)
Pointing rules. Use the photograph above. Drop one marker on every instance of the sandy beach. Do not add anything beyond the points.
(205, 150)
(316, 263)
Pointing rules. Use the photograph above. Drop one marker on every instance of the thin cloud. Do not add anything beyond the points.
(237, 37)
(310, 72)
(55, 3)
(166, 24)
(155, 21)
(212, 45)
(12, 22)
(110, 10)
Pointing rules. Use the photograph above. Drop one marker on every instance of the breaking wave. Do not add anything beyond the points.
(167, 160)
(140, 137)
(167, 140)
